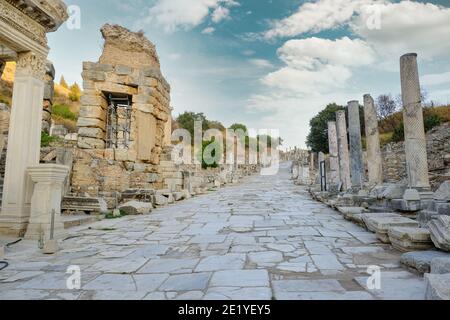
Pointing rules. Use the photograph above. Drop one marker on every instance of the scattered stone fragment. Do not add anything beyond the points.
(381, 225)
(421, 260)
(440, 232)
(438, 286)
(441, 265)
(133, 208)
(410, 239)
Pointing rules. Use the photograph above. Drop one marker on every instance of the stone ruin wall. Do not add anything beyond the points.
(128, 67)
(438, 150)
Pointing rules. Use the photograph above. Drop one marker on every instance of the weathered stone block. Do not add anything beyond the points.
(441, 265)
(160, 200)
(438, 286)
(90, 122)
(136, 208)
(109, 86)
(92, 100)
(381, 226)
(141, 98)
(440, 232)
(443, 193)
(95, 112)
(123, 70)
(93, 75)
(90, 143)
(91, 133)
(151, 72)
(421, 260)
(410, 239)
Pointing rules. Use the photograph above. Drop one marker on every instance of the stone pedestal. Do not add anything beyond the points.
(356, 155)
(374, 159)
(415, 140)
(24, 143)
(334, 175)
(47, 195)
(344, 157)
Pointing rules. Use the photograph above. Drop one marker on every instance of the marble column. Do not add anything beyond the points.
(334, 176)
(374, 159)
(415, 140)
(322, 181)
(344, 156)
(47, 195)
(23, 142)
(356, 154)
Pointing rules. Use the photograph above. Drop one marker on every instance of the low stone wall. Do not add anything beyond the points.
(438, 150)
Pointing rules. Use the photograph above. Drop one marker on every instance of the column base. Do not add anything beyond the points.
(36, 230)
(13, 226)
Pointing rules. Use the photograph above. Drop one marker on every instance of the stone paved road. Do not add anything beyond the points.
(262, 239)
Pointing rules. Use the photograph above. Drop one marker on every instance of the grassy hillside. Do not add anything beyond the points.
(391, 128)
(65, 111)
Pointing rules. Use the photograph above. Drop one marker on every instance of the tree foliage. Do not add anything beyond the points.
(317, 139)
(75, 92)
(63, 83)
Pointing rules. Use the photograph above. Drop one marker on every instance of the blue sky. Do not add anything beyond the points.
(271, 63)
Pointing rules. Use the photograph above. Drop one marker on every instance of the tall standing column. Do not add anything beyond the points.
(334, 157)
(356, 155)
(344, 156)
(24, 142)
(374, 160)
(415, 141)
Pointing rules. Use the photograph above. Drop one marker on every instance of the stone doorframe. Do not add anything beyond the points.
(23, 28)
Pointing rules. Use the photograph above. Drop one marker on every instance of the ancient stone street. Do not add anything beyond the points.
(264, 238)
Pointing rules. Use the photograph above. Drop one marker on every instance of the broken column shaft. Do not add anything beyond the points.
(356, 155)
(415, 141)
(374, 160)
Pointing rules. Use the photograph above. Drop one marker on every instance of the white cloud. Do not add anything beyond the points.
(173, 15)
(318, 65)
(174, 56)
(317, 16)
(435, 79)
(248, 52)
(261, 63)
(208, 30)
(219, 14)
(406, 27)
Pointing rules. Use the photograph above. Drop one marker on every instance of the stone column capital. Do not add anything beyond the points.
(48, 173)
(31, 64)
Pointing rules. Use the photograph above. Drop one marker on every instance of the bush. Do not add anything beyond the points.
(432, 121)
(399, 133)
(63, 111)
(47, 139)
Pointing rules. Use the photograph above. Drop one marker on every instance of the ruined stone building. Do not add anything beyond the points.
(125, 117)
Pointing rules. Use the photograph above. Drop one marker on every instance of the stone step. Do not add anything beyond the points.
(70, 221)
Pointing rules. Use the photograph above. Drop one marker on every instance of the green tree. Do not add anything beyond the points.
(317, 139)
(187, 120)
(63, 83)
(75, 92)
